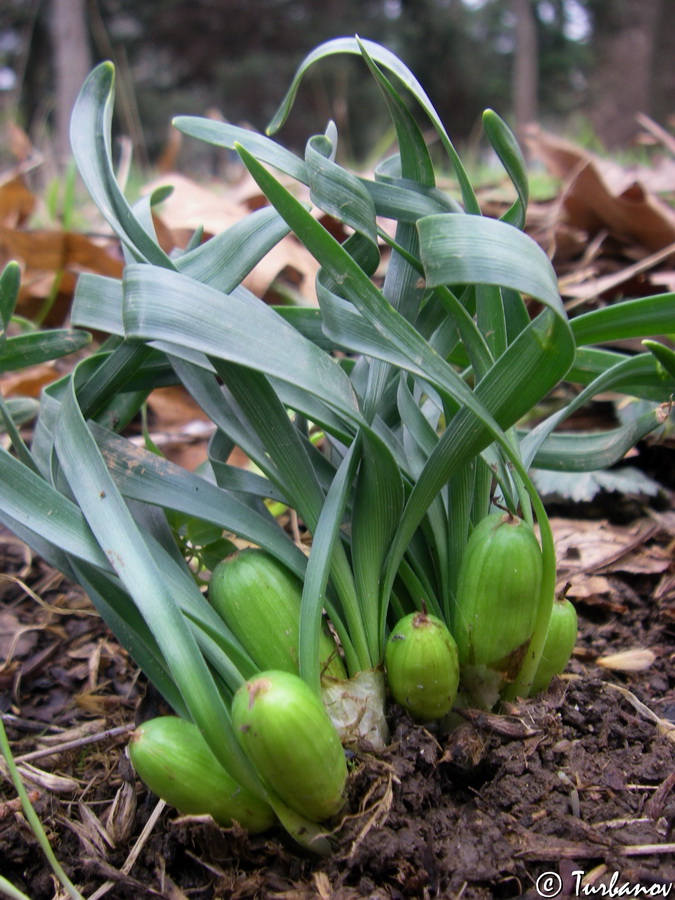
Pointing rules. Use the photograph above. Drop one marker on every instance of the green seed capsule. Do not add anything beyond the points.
(175, 762)
(560, 640)
(259, 600)
(422, 666)
(287, 734)
(497, 595)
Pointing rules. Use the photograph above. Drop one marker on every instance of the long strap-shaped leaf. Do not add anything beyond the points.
(620, 373)
(325, 544)
(130, 557)
(164, 305)
(389, 61)
(36, 347)
(90, 127)
(142, 475)
(377, 506)
(10, 283)
(644, 317)
(394, 198)
(573, 452)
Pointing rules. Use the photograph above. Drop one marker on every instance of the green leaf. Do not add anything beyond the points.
(475, 250)
(35, 504)
(10, 284)
(398, 198)
(18, 410)
(506, 147)
(324, 547)
(387, 60)
(638, 376)
(224, 261)
(222, 134)
(376, 509)
(627, 319)
(619, 373)
(25, 350)
(416, 162)
(583, 452)
(146, 582)
(142, 475)
(238, 330)
(90, 138)
(664, 356)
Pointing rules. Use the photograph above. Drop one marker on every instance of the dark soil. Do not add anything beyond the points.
(580, 780)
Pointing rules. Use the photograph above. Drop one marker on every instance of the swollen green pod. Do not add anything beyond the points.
(560, 640)
(259, 600)
(173, 759)
(422, 666)
(498, 593)
(285, 731)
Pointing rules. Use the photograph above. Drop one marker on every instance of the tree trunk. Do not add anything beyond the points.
(620, 86)
(525, 65)
(72, 62)
(663, 74)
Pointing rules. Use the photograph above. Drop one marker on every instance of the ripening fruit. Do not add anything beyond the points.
(422, 666)
(285, 731)
(497, 595)
(560, 640)
(259, 600)
(175, 762)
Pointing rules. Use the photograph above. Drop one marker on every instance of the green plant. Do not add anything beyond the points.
(561, 637)
(418, 386)
(36, 826)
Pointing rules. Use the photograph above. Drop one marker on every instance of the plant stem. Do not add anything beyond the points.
(34, 821)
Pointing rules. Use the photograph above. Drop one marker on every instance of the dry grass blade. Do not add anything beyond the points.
(135, 851)
(664, 726)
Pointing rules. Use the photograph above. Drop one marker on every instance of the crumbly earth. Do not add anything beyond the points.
(579, 780)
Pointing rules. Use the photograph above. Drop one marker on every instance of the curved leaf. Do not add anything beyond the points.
(90, 138)
(392, 63)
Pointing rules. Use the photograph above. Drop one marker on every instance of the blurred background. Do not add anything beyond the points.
(583, 68)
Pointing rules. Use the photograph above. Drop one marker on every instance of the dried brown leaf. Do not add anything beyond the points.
(52, 251)
(17, 202)
(594, 546)
(598, 195)
(28, 382)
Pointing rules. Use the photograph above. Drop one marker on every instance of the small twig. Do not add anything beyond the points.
(80, 742)
(620, 823)
(665, 727)
(644, 849)
(135, 851)
(657, 131)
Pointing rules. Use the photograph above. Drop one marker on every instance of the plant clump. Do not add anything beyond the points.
(392, 419)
